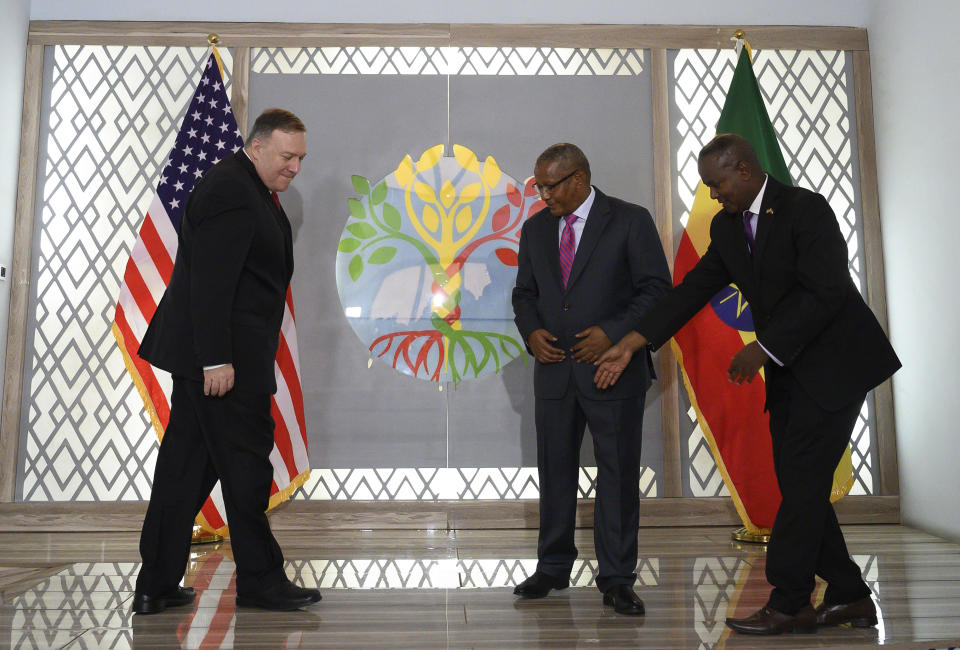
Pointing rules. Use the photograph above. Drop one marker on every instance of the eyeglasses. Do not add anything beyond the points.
(548, 189)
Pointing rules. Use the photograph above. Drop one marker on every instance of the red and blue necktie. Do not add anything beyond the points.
(568, 248)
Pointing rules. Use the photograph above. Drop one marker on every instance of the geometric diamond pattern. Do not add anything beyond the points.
(443, 483)
(111, 116)
(503, 61)
(808, 95)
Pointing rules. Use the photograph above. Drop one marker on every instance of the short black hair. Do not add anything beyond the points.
(568, 153)
(730, 149)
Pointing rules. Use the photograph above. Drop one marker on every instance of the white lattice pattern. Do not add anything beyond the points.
(467, 61)
(113, 114)
(807, 97)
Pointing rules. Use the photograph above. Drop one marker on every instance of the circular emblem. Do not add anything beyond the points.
(427, 262)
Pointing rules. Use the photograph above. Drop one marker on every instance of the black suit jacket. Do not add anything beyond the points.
(806, 310)
(618, 273)
(225, 300)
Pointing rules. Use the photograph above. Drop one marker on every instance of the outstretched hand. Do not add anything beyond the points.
(611, 365)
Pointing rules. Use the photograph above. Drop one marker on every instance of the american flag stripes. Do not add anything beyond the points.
(209, 132)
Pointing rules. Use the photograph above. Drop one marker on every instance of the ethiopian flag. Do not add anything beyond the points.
(732, 416)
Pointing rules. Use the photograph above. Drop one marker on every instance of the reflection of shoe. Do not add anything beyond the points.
(539, 585)
(770, 621)
(624, 600)
(859, 613)
(283, 596)
(144, 604)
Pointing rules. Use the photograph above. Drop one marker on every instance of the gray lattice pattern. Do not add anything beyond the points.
(443, 483)
(112, 117)
(808, 98)
(504, 61)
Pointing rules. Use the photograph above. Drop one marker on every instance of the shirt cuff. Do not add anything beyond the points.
(770, 354)
(221, 365)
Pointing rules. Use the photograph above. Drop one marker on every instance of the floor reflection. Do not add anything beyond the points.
(463, 602)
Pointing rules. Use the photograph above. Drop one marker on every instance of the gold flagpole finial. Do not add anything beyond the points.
(739, 35)
(213, 39)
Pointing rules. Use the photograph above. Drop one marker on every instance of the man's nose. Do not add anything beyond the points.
(294, 166)
(713, 194)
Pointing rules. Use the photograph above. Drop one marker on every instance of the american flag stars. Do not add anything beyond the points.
(211, 132)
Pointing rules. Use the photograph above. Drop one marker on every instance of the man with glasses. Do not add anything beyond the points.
(590, 266)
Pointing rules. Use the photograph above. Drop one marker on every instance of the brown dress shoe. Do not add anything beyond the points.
(770, 621)
(859, 613)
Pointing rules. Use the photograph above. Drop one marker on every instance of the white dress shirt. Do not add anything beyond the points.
(582, 212)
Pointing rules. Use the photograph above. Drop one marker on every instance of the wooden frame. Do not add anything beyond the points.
(882, 508)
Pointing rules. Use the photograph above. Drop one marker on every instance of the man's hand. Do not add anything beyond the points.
(218, 381)
(542, 343)
(593, 342)
(611, 365)
(746, 363)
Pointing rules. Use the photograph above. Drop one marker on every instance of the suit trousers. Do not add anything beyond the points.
(806, 540)
(208, 438)
(616, 427)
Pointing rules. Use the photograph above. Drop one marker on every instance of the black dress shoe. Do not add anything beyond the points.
(539, 585)
(770, 621)
(859, 613)
(313, 594)
(146, 604)
(282, 597)
(624, 600)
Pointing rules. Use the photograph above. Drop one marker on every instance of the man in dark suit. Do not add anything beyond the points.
(822, 350)
(589, 267)
(216, 331)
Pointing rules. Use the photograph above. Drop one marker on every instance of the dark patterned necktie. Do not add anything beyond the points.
(748, 230)
(568, 248)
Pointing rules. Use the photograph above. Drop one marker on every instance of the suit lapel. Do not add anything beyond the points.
(549, 236)
(596, 223)
(766, 217)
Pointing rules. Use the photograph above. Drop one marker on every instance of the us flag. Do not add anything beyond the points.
(208, 133)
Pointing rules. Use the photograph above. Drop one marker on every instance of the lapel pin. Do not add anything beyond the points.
(769, 210)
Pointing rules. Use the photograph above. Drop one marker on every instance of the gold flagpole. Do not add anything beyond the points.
(201, 536)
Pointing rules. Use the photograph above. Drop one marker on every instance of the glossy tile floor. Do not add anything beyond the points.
(452, 589)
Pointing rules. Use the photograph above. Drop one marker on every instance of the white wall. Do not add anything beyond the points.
(916, 94)
(686, 12)
(13, 53)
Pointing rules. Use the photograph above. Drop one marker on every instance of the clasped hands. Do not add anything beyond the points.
(611, 364)
(592, 343)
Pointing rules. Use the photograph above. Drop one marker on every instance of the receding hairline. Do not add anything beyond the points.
(275, 119)
(565, 152)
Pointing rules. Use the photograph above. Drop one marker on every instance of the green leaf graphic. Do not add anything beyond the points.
(348, 245)
(362, 230)
(356, 267)
(379, 193)
(360, 184)
(391, 217)
(382, 255)
(357, 210)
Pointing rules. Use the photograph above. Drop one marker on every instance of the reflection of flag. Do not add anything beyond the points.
(731, 415)
(212, 622)
(209, 131)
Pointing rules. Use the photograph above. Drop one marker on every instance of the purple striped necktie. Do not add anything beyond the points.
(748, 230)
(568, 248)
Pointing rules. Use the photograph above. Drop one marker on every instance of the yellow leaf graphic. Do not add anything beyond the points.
(464, 219)
(431, 220)
(470, 193)
(425, 192)
(404, 172)
(429, 158)
(448, 194)
(491, 172)
(466, 158)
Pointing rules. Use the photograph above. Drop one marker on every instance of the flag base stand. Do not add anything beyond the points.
(202, 537)
(743, 535)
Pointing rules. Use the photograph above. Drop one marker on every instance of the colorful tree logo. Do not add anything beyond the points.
(427, 261)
